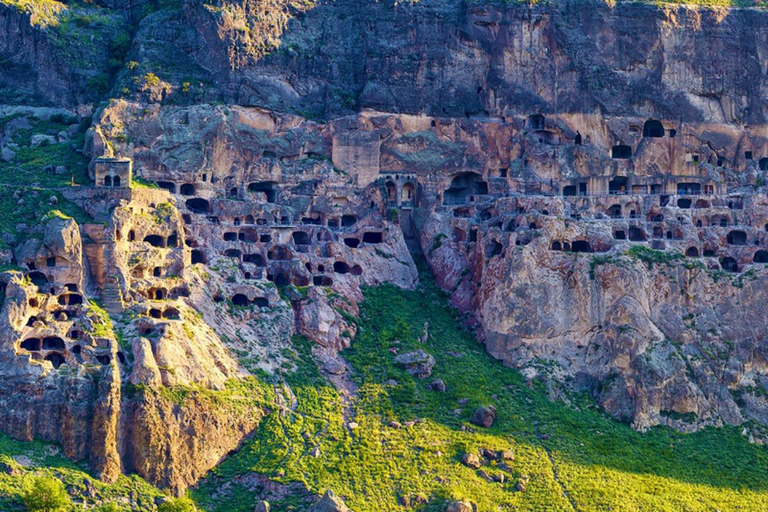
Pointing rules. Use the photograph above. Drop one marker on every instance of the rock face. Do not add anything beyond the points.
(457, 59)
(588, 185)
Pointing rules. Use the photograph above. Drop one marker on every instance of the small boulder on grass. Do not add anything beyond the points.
(438, 385)
(418, 363)
(507, 455)
(329, 503)
(459, 506)
(471, 460)
(484, 416)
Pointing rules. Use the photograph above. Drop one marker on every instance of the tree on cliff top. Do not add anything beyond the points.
(45, 494)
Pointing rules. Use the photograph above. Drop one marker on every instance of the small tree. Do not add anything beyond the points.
(178, 505)
(45, 494)
(109, 507)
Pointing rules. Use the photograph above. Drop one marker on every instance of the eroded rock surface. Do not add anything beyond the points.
(588, 185)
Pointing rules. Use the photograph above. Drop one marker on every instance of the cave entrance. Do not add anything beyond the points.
(653, 129)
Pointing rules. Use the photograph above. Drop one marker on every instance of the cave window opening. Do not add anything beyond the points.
(581, 246)
(55, 358)
(729, 264)
(736, 238)
(621, 151)
(653, 129)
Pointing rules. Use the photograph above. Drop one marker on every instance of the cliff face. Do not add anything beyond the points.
(587, 182)
(457, 59)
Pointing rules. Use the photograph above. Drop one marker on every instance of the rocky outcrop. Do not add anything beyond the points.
(329, 503)
(457, 59)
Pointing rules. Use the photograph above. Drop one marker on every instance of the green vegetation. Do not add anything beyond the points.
(36, 164)
(178, 505)
(653, 257)
(45, 494)
(100, 320)
(574, 455)
(31, 471)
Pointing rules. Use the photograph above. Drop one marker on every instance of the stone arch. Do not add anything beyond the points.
(614, 211)
(463, 186)
(536, 122)
(53, 343)
(729, 264)
(198, 205)
(187, 189)
(55, 358)
(692, 252)
(155, 240)
(31, 344)
(653, 128)
(171, 314)
(760, 256)
(636, 234)
(268, 188)
(167, 185)
(408, 192)
(340, 267)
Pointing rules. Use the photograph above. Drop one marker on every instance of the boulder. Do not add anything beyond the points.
(7, 154)
(459, 506)
(329, 503)
(437, 385)
(41, 139)
(262, 506)
(418, 363)
(334, 367)
(484, 416)
(471, 460)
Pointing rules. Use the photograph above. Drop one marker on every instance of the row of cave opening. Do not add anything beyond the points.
(303, 238)
(55, 349)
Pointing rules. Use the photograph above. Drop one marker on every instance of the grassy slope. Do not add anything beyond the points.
(602, 464)
(19, 460)
(26, 174)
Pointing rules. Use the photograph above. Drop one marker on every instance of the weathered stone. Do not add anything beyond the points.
(329, 503)
(41, 139)
(459, 506)
(438, 385)
(418, 363)
(471, 460)
(484, 416)
(7, 154)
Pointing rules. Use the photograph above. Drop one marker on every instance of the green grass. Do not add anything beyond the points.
(601, 463)
(19, 460)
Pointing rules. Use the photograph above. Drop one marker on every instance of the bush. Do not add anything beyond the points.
(45, 494)
(178, 505)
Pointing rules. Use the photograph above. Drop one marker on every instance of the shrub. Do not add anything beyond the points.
(45, 494)
(178, 505)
